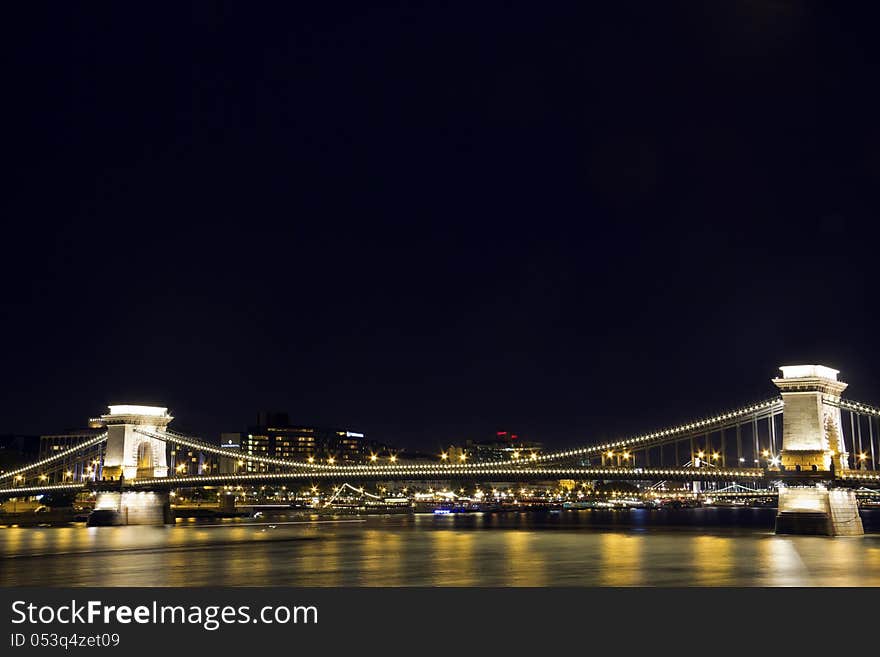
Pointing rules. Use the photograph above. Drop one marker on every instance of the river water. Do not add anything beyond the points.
(637, 547)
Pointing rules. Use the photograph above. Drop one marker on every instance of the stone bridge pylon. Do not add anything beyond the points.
(131, 454)
(812, 436)
(813, 444)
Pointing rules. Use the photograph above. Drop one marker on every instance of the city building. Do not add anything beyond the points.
(505, 446)
(275, 436)
(231, 441)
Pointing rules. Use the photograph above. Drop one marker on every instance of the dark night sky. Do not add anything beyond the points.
(432, 222)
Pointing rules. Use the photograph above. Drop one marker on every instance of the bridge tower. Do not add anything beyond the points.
(812, 442)
(132, 454)
(812, 434)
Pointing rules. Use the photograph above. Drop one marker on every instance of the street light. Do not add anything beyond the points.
(444, 456)
(462, 457)
(393, 458)
(373, 458)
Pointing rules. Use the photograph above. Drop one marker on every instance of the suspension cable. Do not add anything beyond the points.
(91, 442)
(195, 443)
(771, 406)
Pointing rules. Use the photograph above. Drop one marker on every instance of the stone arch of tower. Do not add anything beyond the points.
(145, 457)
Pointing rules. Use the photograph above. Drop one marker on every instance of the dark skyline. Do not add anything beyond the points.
(432, 222)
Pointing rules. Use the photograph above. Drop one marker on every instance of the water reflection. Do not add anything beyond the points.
(317, 562)
(713, 561)
(382, 558)
(521, 568)
(621, 559)
(568, 549)
(451, 559)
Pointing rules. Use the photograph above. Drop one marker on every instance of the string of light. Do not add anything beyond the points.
(91, 442)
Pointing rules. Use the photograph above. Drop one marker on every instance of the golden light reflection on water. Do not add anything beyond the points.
(382, 559)
(13, 538)
(524, 565)
(453, 560)
(778, 563)
(872, 563)
(621, 563)
(712, 561)
(849, 563)
(319, 562)
(66, 538)
(446, 551)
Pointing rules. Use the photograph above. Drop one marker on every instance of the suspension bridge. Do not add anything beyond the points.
(808, 445)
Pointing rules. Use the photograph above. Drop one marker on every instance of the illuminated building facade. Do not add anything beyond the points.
(233, 442)
(505, 446)
(274, 436)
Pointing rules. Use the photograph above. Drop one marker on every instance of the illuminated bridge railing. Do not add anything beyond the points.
(858, 475)
(27, 491)
(388, 474)
(91, 442)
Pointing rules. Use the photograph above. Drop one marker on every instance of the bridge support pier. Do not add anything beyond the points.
(817, 510)
(226, 503)
(132, 508)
